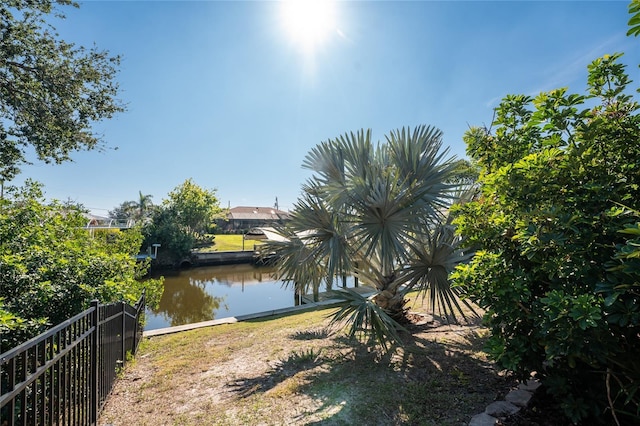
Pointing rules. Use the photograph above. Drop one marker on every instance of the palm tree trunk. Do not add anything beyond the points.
(393, 303)
(390, 300)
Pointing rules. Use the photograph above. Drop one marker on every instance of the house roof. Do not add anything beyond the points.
(256, 213)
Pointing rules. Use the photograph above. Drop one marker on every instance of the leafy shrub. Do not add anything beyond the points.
(557, 266)
(51, 267)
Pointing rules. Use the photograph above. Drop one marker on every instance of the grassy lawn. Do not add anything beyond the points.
(229, 242)
(294, 370)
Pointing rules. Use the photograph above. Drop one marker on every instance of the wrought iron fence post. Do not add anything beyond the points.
(123, 335)
(136, 324)
(95, 346)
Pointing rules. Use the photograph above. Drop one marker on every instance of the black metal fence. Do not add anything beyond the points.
(63, 376)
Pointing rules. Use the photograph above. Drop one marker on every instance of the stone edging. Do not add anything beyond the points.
(513, 402)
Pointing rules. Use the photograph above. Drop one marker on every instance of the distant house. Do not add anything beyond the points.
(242, 219)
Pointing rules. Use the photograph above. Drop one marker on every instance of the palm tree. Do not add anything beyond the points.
(378, 211)
(143, 205)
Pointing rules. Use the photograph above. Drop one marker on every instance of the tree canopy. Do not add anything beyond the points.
(634, 21)
(196, 208)
(51, 91)
(140, 210)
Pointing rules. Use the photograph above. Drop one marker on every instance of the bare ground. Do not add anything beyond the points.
(293, 370)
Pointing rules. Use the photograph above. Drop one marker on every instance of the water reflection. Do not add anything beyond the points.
(231, 275)
(186, 301)
(207, 293)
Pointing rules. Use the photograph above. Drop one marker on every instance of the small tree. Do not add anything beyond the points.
(555, 269)
(164, 228)
(195, 208)
(181, 220)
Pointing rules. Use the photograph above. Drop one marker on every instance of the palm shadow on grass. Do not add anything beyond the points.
(439, 377)
(294, 363)
(312, 334)
(284, 369)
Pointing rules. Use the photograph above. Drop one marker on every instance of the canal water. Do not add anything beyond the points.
(214, 292)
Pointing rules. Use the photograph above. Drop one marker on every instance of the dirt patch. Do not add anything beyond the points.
(294, 370)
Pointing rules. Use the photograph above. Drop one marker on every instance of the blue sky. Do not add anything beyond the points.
(222, 93)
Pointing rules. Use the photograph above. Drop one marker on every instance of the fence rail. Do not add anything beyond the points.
(64, 375)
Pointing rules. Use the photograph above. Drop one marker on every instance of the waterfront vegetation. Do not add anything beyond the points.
(182, 222)
(557, 233)
(378, 210)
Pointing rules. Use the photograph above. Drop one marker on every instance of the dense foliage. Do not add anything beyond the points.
(376, 210)
(556, 231)
(51, 92)
(51, 266)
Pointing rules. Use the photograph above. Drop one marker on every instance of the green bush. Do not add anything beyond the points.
(51, 267)
(183, 222)
(556, 231)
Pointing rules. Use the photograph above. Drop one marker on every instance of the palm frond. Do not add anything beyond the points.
(385, 222)
(327, 160)
(433, 259)
(369, 271)
(366, 319)
(358, 152)
(421, 163)
(338, 164)
(314, 246)
(324, 235)
(294, 261)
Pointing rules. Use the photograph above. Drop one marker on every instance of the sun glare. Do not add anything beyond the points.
(309, 22)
